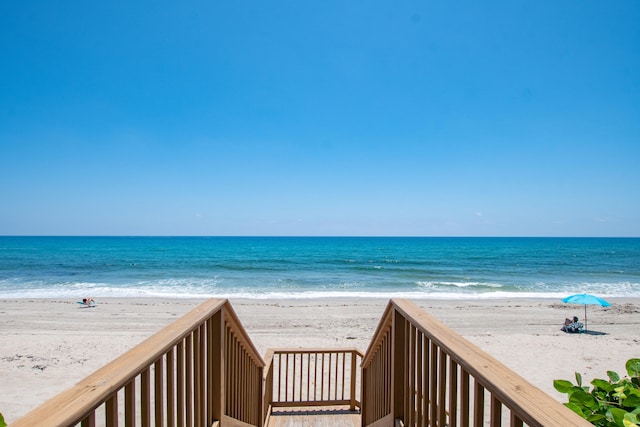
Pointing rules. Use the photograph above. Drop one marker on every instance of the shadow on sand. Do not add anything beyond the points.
(593, 333)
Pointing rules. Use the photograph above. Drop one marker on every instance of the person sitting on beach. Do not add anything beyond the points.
(573, 327)
(89, 302)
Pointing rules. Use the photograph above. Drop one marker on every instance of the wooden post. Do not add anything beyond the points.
(352, 400)
(261, 392)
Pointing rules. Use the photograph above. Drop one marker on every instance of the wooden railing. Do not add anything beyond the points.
(418, 372)
(201, 369)
(313, 377)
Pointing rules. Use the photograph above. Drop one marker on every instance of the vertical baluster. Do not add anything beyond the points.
(209, 368)
(409, 411)
(426, 381)
(235, 383)
(188, 356)
(335, 376)
(419, 385)
(158, 370)
(388, 366)
(309, 364)
(442, 395)
(248, 402)
(111, 411)
(465, 413)
(217, 361)
(433, 376)
(315, 378)
(294, 355)
(478, 404)
(322, 378)
(496, 412)
(515, 420)
(279, 399)
(453, 393)
(242, 381)
(197, 392)
(145, 397)
(171, 395)
(343, 376)
(286, 379)
(378, 364)
(231, 383)
(300, 385)
(130, 403)
(89, 420)
(180, 373)
(329, 376)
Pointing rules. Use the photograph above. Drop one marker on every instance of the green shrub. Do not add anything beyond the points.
(615, 402)
(2, 422)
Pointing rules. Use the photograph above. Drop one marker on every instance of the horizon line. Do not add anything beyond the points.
(324, 236)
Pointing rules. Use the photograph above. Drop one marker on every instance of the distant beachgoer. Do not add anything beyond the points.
(572, 326)
(89, 302)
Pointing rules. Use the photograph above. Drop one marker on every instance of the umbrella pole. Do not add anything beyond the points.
(585, 317)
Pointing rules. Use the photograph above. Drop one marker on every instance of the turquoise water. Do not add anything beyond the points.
(306, 267)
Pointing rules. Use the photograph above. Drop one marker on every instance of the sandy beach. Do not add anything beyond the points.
(48, 345)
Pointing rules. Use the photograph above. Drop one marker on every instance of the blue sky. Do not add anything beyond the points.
(429, 118)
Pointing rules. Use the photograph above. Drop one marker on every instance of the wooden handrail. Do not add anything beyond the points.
(180, 362)
(383, 325)
(427, 371)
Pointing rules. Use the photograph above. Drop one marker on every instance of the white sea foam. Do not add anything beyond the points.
(97, 291)
(440, 284)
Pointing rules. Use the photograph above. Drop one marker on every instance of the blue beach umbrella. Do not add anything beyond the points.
(586, 299)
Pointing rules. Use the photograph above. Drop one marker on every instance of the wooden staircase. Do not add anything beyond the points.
(203, 370)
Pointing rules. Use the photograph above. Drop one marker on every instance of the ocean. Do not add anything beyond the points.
(311, 267)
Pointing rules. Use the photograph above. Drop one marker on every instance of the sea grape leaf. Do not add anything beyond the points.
(602, 384)
(580, 397)
(607, 403)
(633, 367)
(563, 386)
(630, 420)
(576, 408)
(595, 419)
(616, 415)
(613, 376)
(631, 401)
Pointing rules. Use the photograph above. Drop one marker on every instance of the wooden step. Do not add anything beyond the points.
(316, 417)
